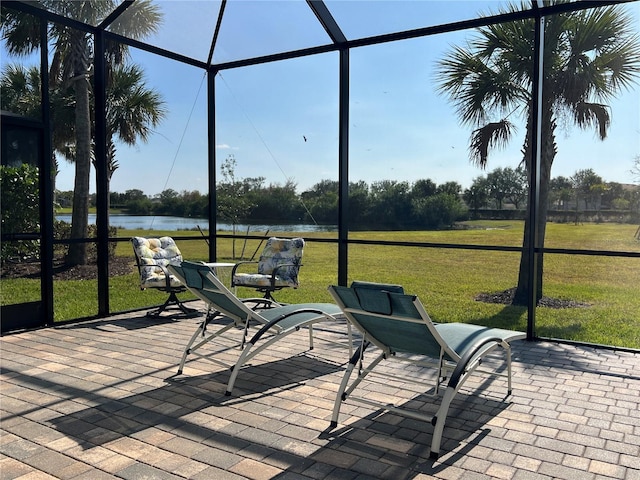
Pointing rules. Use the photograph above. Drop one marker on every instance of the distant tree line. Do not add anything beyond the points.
(505, 188)
(384, 204)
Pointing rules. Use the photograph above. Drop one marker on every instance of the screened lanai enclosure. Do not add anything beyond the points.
(484, 154)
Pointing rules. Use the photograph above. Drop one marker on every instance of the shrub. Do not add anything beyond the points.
(19, 196)
(440, 210)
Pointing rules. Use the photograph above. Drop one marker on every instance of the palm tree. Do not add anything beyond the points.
(70, 65)
(132, 110)
(588, 57)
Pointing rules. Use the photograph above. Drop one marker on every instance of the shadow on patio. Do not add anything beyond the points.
(101, 400)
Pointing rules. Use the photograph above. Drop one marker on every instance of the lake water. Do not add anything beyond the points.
(145, 222)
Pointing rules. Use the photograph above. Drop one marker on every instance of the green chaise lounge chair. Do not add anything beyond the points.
(400, 327)
(272, 323)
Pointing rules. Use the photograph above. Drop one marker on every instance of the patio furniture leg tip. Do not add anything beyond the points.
(434, 455)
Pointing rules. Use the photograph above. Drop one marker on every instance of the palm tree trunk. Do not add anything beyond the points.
(80, 216)
(547, 156)
(77, 254)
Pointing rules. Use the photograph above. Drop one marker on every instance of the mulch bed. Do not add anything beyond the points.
(117, 266)
(506, 297)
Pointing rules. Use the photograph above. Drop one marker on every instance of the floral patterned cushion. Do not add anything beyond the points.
(257, 280)
(156, 252)
(278, 251)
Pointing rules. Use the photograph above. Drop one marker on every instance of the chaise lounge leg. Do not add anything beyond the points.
(508, 353)
(237, 367)
(441, 418)
(187, 349)
(340, 397)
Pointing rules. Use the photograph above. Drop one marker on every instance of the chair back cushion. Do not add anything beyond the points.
(281, 251)
(152, 254)
(392, 320)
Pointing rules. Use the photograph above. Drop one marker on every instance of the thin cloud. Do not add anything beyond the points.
(225, 146)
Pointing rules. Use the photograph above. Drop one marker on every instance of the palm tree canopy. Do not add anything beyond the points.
(22, 32)
(132, 108)
(21, 90)
(589, 56)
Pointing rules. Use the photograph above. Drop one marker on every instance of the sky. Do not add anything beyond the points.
(279, 121)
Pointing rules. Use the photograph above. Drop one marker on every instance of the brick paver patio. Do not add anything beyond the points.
(101, 400)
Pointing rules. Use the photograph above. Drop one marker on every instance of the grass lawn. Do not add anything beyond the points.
(447, 280)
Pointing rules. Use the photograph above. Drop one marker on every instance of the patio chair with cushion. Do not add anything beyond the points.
(234, 319)
(399, 326)
(277, 267)
(153, 255)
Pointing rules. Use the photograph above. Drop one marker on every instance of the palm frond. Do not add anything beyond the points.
(20, 32)
(133, 109)
(479, 88)
(593, 114)
(494, 134)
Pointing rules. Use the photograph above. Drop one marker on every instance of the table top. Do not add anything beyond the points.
(219, 264)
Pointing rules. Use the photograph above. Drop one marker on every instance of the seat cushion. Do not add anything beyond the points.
(159, 281)
(258, 280)
(154, 253)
